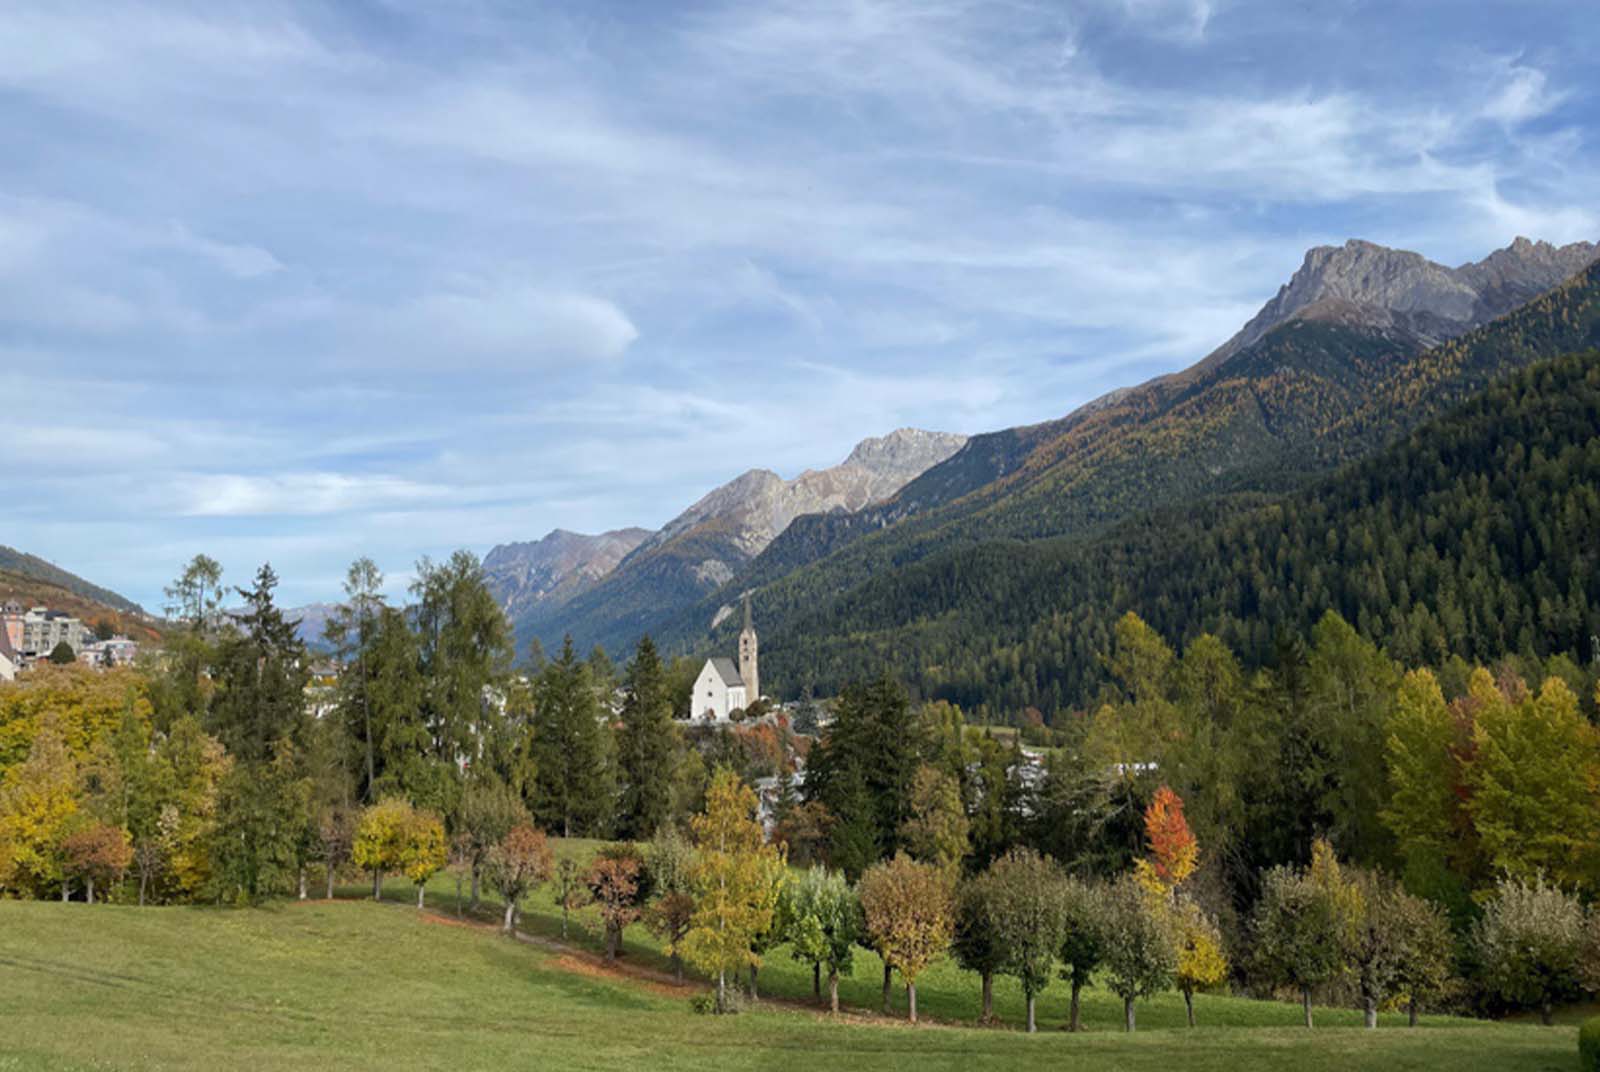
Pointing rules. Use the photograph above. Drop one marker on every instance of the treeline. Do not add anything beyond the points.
(225, 768)
(1469, 538)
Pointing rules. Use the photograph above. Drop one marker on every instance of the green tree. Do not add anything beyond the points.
(825, 926)
(1084, 921)
(975, 941)
(257, 842)
(490, 810)
(647, 745)
(197, 593)
(1529, 942)
(1424, 812)
(1301, 932)
(669, 864)
(936, 829)
(63, 655)
(1141, 944)
(261, 679)
(350, 630)
(1028, 909)
(571, 782)
(869, 757)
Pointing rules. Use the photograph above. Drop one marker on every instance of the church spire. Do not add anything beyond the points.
(748, 669)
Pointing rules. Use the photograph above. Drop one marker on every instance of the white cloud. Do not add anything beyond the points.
(296, 494)
(1520, 94)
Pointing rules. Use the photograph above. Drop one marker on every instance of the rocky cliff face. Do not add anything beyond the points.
(558, 567)
(703, 547)
(1367, 285)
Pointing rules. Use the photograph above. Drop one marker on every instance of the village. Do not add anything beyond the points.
(29, 635)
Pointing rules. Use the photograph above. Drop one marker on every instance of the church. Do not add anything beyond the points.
(724, 688)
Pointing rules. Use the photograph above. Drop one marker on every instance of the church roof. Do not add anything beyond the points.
(726, 670)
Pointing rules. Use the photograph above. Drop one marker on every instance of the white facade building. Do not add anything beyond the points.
(718, 692)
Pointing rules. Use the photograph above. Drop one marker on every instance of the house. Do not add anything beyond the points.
(10, 661)
(723, 688)
(43, 629)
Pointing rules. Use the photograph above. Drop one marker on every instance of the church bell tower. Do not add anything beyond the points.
(747, 657)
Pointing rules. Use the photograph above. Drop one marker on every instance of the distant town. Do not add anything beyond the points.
(29, 635)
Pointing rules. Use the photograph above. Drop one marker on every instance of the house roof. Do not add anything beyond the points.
(727, 671)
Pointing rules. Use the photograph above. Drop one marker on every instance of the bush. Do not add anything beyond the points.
(1589, 1045)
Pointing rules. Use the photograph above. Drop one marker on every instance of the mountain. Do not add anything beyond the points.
(703, 547)
(31, 567)
(523, 575)
(1308, 396)
(312, 620)
(1252, 414)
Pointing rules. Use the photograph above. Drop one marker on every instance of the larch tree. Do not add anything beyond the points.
(733, 880)
(1422, 750)
(518, 864)
(909, 912)
(1028, 908)
(937, 829)
(1533, 783)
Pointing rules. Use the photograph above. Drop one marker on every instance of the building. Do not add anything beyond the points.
(11, 625)
(10, 661)
(43, 629)
(118, 651)
(722, 689)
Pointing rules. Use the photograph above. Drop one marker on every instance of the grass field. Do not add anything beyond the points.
(353, 984)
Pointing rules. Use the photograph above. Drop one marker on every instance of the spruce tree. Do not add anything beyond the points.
(647, 745)
(571, 790)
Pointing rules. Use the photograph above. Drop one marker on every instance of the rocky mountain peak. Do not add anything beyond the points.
(560, 564)
(1403, 292)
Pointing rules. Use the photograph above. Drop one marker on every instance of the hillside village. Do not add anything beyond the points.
(30, 635)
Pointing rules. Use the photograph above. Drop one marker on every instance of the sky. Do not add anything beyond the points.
(299, 282)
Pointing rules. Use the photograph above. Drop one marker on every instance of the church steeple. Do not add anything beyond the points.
(748, 669)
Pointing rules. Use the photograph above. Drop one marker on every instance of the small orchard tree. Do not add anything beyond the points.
(379, 834)
(489, 811)
(669, 862)
(1381, 934)
(1083, 939)
(1301, 930)
(909, 915)
(569, 889)
(1028, 908)
(516, 866)
(1530, 942)
(975, 942)
(1141, 944)
(423, 849)
(824, 926)
(616, 881)
(734, 881)
(99, 853)
(1202, 962)
(1427, 960)
(336, 831)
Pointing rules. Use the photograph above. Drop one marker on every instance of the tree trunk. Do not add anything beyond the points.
(302, 884)
(722, 990)
(1546, 1013)
(988, 998)
(473, 904)
(89, 890)
(1127, 1015)
(510, 925)
(1032, 1023)
(377, 885)
(144, 880)
(422, 889)
(1305, 999)
(888, 994)
(563, 921)
(332, 872)
(755, 995)
(833, 992)
(1370, 1007)
(677, 966)
(1411, 1010)
(611, 942)
(911, 1000)
(1188, 1004)
(66, 891)
(816, 979)
(1074, 1022)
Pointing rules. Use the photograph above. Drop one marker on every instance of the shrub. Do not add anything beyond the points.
(1589, 1045)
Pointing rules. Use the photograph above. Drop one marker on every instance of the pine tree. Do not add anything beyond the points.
(572, 791)
(647, 745)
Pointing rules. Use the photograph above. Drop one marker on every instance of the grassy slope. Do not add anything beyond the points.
(357, 985)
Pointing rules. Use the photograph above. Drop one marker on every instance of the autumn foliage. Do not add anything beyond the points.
(1174, 852)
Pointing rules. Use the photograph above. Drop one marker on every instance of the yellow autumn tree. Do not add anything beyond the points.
(38, 810)
(1202, 963)
(422, 849)
(910, 914)
(736, 878)
(1174, 851)
(379, 840)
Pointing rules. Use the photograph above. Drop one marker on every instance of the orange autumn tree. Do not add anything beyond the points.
(1174, 852)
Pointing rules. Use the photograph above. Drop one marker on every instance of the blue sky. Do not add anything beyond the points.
(302, 282)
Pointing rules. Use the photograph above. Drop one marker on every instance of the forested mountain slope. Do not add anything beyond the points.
(1325, 387)
(1388, 544)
